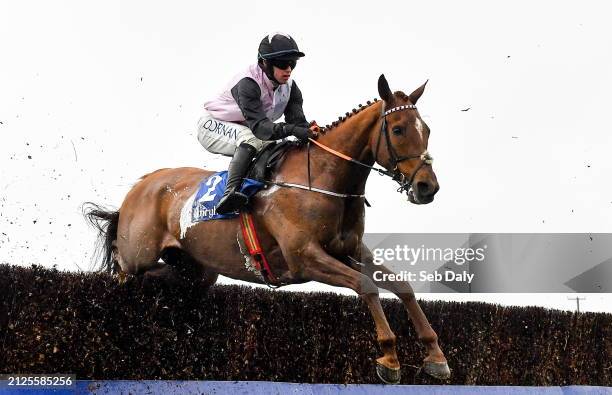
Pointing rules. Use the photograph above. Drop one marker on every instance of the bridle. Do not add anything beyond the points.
(395, 174)
(404, 182)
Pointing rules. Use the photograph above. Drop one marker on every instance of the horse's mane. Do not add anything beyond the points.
(401, 95)
(361, 107)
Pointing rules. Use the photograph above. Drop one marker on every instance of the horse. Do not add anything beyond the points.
(310, 220)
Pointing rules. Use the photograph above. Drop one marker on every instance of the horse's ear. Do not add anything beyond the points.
(383, 89)
(414, 96)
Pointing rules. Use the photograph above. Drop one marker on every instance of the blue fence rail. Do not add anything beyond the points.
(269, 388)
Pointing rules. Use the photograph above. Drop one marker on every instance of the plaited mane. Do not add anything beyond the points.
(328, 128)
(347, 115)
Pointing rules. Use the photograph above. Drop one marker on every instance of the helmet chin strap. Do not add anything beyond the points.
(269, 71)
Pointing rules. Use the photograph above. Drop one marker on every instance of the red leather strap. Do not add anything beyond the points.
(254, 247)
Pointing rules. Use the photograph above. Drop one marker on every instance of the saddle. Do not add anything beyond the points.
(269, 158)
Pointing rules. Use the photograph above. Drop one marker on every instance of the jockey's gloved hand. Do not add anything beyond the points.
(314, 129)
(300, 132)
(314, 126)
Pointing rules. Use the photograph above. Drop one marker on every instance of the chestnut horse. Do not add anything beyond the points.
(307, 235)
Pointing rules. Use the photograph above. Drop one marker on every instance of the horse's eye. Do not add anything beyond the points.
(398, 130)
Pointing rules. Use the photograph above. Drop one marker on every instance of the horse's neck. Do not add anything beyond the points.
(351, 137)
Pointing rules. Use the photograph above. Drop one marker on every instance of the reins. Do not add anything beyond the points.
(309, 187)
(383, 172)
(395, 174)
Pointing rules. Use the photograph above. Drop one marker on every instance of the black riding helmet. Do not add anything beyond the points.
(280, 48)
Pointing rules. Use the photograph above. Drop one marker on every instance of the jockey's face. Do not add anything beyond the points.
(282, 75)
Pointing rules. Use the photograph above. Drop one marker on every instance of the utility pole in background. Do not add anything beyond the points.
(577, 299)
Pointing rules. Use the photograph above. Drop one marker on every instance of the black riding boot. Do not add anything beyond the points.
(232, 198)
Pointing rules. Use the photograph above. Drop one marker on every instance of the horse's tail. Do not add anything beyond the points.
(106, 222)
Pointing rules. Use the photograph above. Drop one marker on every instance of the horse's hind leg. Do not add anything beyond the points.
(141, 253)
(188, 267)
(137, 254)
(152, 271)
(139, 245)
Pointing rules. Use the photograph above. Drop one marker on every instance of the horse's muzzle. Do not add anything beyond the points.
(423, 192)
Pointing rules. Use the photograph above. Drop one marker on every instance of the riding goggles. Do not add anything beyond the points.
(283, 64)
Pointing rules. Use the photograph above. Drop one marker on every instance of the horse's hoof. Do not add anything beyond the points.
(438, 370)
(388, 375)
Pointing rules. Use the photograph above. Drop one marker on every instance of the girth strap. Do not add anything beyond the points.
(252, 242)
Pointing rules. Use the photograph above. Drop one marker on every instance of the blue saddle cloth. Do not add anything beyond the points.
(209, 193)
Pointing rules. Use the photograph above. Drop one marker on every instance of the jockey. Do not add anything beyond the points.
(241, 119)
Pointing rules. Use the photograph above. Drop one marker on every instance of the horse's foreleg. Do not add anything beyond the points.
(434, 363)
(317, 265)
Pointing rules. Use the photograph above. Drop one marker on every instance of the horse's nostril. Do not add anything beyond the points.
(424, 188)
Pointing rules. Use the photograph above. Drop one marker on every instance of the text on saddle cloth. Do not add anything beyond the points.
(210, 192)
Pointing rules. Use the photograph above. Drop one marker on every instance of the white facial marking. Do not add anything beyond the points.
(419, 127)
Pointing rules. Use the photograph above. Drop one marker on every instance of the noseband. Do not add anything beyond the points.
(398, 176)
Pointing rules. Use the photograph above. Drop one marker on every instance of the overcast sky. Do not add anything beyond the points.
(95, 94)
